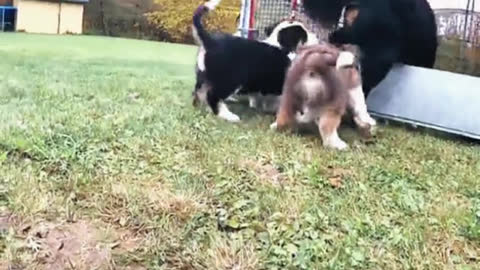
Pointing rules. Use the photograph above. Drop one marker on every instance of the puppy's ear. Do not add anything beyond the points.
(351, 14)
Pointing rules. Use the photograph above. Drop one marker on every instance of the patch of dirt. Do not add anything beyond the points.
(266, 172)
(127, 242)
(68, 246)
(76, 245)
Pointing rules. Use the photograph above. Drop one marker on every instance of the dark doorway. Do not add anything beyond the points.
(8, 16)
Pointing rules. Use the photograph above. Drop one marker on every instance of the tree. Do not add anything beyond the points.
(175, 17)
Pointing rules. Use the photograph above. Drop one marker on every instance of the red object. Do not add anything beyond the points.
(251, 23)
(294, 5)
(294, 10)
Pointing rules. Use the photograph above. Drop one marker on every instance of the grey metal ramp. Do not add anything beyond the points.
(436, 99)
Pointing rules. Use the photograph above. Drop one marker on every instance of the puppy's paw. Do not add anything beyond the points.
(273, 126)
(371, 121)
(231, 118)
(253, 102)
(232, 99)
(225, 113)
(338, 145)
(367, 125)
(371, 126)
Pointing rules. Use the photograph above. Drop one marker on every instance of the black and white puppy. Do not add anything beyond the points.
(227, 65)
(287, 35)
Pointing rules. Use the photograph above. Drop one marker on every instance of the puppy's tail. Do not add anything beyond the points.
(200, 35)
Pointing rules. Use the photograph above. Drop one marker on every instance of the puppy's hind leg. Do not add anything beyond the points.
(253, 100)
(234, 97)
(328, 124)
(220, 109)
(199, 91)
(361, 116)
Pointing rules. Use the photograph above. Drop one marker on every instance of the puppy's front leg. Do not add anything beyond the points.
(234, 97)
(289, 100)
(283, 119)
(359, 109)
(225, 113)
(220, 109)
(253, 100)
(285, 114)
(328, 124)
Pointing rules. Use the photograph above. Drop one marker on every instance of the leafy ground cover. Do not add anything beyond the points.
(105, 164)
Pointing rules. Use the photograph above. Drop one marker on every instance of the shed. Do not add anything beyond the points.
(50, 16)
(7, 15)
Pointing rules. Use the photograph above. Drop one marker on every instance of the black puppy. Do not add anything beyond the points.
(227, 65)
(387, 32)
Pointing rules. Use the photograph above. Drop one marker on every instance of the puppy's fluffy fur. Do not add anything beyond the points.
(227, 65)
(321, 84)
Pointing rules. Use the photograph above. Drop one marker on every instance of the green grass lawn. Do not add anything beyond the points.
(105, 163)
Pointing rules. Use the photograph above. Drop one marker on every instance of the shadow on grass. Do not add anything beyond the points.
(419, 130)
(348, 130)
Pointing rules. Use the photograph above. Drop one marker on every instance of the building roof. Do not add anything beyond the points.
(68, 1)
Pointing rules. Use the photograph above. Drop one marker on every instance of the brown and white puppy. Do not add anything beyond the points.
(321, 84)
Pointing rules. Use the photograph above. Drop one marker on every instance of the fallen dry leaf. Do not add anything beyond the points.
(335, 181)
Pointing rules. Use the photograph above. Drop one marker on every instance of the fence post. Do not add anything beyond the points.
(244, 16)
(59, 22)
